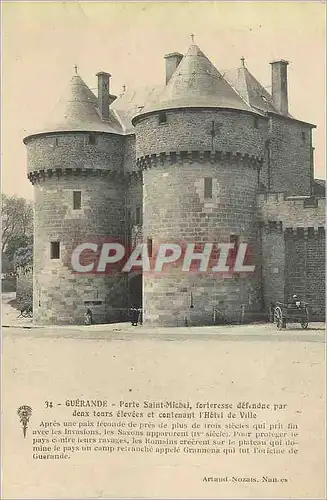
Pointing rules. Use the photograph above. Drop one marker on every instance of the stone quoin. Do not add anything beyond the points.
(208, 156)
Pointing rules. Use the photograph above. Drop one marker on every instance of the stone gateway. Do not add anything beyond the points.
(209, 156)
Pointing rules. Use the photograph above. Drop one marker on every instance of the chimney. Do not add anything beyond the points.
(279, 85)
(104, 96)
(172, 61)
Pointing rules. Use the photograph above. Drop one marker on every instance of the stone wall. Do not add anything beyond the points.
(175, 211)
(60, 294)
(290, 156)
(273, 268)
(72, 151)
(129, 153)
(191, 130)
(305, 269)
(291, 211)
(293, 249)
(160, 171)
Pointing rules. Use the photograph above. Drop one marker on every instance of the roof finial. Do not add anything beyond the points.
(76, 68)
(124, 88)
(243, 61)
(192, 36)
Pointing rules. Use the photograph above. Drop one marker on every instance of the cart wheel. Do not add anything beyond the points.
(278, 316)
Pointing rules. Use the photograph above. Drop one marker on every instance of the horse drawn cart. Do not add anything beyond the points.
(291, 313)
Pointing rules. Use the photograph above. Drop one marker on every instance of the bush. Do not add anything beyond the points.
(25, 302)
(24, 289)
(23, 260)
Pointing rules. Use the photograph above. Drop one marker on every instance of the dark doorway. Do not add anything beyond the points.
(135, 291)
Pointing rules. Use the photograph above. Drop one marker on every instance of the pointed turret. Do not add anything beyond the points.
(197, 83)
(75, 163)
(77, 110)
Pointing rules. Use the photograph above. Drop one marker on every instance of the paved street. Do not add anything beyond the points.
(124, 331)
(23, 327)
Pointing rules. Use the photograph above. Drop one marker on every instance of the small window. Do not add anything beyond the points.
(56, 142)
(208, 187)
(92, 139)
(256, 122)
(149, 245)
(77, 200)
(55, 250)
(303, 136)
(138, 216)
(162, 117)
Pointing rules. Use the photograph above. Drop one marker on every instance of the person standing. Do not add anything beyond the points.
(88, 316)
(296, 301)
(135, 315)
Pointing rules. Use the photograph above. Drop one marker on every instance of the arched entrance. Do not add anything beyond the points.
(135, 291)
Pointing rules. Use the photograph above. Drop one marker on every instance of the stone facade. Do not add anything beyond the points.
(293, 249)
(176, 210)
(290, 144)
(140, 173)
(60, 296)
(190, 130)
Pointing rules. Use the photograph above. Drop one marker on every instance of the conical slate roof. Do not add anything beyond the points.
(197, 83)
(77, 110)
(250, 89)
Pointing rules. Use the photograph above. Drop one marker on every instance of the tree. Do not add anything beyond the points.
(17, 221)
(17, 232)
(16, 243)
(23, 259)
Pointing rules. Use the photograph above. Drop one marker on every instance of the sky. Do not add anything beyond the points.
(42, 41)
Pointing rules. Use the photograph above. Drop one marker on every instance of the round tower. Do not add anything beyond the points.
(75, 164)
(200, 148)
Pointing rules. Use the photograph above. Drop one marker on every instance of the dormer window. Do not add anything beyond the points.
(256, 122)
(303, 136)
(162, 117)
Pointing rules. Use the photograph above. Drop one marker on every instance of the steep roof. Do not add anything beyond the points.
(132, 102)
(250, 89)
(77, 110)
(197, 83)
